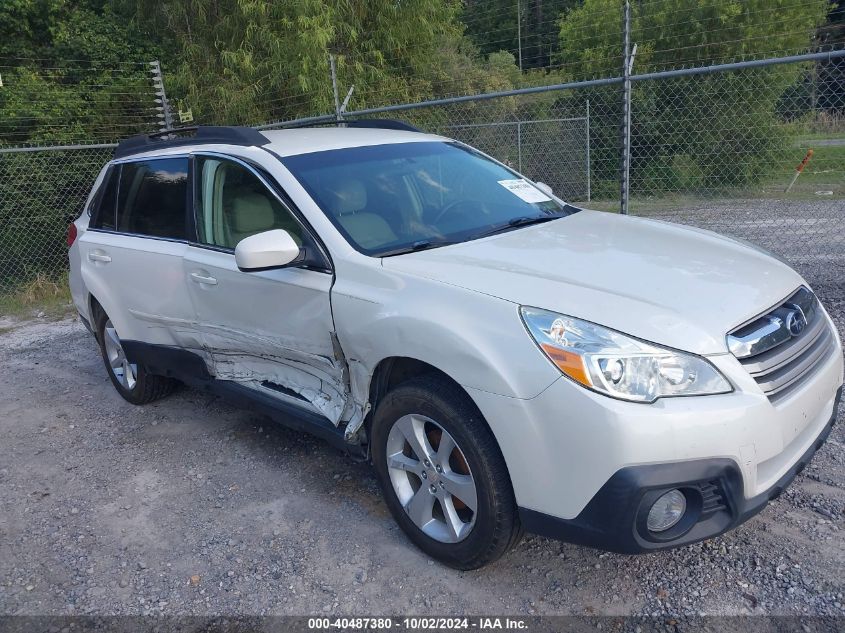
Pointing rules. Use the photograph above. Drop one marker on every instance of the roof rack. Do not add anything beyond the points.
(202, 134)
(379, 124)
(382, 124)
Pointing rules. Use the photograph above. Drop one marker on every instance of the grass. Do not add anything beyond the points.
(43, 296)
(820, 136)
(824, 172)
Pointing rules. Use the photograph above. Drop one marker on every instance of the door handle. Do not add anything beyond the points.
(98, 257)
(202, 279)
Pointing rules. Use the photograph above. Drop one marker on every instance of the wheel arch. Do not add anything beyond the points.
(94, 308)
(394, 370)
(100, 300)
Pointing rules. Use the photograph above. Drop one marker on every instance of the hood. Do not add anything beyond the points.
(675, 286)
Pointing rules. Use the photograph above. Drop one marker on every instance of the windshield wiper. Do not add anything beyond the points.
(515, 223)
(421, 245)
(424, 245)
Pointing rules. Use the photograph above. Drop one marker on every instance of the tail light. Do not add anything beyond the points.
(71, 234)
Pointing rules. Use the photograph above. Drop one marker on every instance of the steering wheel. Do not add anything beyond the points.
(467, 205)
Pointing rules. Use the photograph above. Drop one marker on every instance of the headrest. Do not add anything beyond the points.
(251, 213)
(349, 195)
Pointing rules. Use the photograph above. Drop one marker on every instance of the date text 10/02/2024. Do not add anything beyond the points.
(418, 623)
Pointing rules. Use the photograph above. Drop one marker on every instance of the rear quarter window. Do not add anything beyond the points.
(152, 198)
(103, 207)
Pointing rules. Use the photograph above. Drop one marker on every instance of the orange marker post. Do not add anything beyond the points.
(800, 168)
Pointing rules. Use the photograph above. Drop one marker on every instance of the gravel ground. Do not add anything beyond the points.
(190, 506)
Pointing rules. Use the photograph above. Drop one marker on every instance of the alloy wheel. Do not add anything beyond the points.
(125, 372)
(431, 478)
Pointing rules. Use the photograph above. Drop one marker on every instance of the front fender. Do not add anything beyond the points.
(477, 340)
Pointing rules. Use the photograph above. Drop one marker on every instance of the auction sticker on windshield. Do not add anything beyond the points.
(524, 190)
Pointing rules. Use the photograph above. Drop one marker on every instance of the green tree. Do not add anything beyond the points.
(502, 25)
(72, 71)
(674, 33)
(248, 61)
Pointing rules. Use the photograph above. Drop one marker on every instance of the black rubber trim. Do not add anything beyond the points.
(382, 124)
(204, 134)
(86, 324)
(191, 369)
(614, 519)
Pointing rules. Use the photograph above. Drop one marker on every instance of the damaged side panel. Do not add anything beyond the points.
(321, 380)
(272, 331)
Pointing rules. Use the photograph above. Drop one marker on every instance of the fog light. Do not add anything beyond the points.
(667, 511)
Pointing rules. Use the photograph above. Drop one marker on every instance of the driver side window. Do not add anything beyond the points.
(231, 203)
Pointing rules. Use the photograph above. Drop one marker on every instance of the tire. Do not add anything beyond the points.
(132, 382)
(455, 534)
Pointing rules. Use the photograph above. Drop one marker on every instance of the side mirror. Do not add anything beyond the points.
(270, 249)
(545, 188)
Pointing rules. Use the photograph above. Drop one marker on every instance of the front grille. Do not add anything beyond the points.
(782, 348)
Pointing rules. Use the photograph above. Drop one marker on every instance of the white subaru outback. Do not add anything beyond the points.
(507, 361)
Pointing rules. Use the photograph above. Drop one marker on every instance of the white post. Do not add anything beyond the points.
(337, 112)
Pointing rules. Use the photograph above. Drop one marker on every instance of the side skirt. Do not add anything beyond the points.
(190, 368)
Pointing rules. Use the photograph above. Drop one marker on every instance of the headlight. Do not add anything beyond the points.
(619, 365)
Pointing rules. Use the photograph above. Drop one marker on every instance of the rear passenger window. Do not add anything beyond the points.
(232, 203)
(152, 198)
(103, 215)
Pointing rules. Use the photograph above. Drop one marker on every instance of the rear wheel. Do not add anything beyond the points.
(132, 381)
(442, 474)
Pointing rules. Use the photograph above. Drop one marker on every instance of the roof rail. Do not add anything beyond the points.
(382, 124)
(202, 134)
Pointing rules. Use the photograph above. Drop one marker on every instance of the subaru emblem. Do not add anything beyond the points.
(795, 322)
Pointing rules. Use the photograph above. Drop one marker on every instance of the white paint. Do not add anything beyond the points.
(657, 281)
(269, 249)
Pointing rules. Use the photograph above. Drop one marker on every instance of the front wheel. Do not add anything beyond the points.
(443, 475)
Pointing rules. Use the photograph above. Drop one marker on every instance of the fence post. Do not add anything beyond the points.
(165, 115)
(519, 31)
(337, 112)
(588, 150)
(625, 153)
(519, 146)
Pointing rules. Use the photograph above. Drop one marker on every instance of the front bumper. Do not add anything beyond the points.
(614, 519)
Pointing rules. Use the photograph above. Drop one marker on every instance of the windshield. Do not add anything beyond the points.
(389, 199)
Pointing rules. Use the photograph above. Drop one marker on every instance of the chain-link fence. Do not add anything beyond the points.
(720, 151)
(523, 146)
(65, 119)
(750, 145)
(41, 192)
(746, 153)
